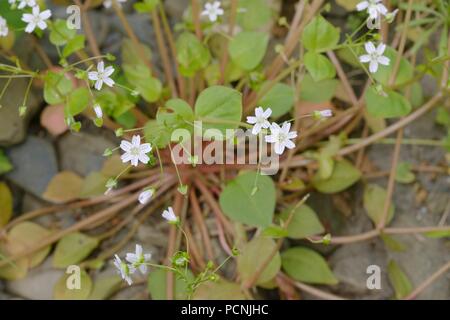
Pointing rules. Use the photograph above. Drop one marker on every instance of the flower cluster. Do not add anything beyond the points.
(281, 137)
(140, 260)
(136, 261)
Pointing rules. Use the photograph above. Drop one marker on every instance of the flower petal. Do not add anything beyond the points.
(370, 48)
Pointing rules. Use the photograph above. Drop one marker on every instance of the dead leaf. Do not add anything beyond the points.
(52, 119)
(64, 187)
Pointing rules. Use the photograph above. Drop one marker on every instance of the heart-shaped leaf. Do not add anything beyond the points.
(238, 202)
(308, 266)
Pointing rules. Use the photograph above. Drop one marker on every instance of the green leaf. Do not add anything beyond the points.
(105, 287)
(220, 290)
(238, 203)
(5, 164)
(320, 35)
(56, 88)
(344, 175)
(275, 231)
(247, 49)
(319, 66)
(156, 134)
(253, 255)
(405, 71)
(140, 77)
(373, 199)
(192, 54)
(392, 244)
(61, 292)
(73, 45)
(176, 114)
(60, 34)
(220, 104)
(317, 91)
(157, 285)
(438, 234)
(254, 14)
(308, 266)
(280, 98)
(390, 106)
(443, 117)
(6, 204)
(146, 6)
(399, 280)
(304, 222)
(131, 55)
(404, 174)
(72, 249)
(78, 101)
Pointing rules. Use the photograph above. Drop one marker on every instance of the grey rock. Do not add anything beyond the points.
(34, 164)
(82, 152)
(38, 284)
(350, 263)
(13, 128)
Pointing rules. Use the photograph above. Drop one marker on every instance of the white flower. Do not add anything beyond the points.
(260, 120)
(323, 113)
(212, 10)
(145, 196)
(108, 3)
(26, 3)
(12, 1)
(101, 75)
(36, 19)
(98, 111)
(124, 270)
(374, 56)
(135, 151)
(281, 137)
(170, 216)
(3, 27)
(139, 259)
(374, 8)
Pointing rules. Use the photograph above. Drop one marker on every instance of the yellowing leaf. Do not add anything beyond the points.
(221, 290)
(105, 287)
(5, 204)
(13, 270)
(27, 235)
(93, 185)
(72, 249)
(253, 255)
(113, 166)
(62, 292)
(64, 187)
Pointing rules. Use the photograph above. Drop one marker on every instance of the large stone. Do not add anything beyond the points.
(38, 284)
(82, 152)
(34, 164)
(13, 127)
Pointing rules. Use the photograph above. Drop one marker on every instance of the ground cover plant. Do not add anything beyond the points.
(256, 149)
